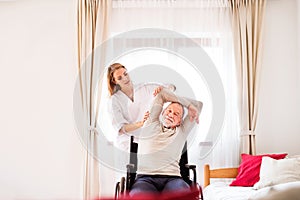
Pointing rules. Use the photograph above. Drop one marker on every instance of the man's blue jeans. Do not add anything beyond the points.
(157, 183)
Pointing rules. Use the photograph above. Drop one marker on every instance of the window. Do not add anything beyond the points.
(207, 26)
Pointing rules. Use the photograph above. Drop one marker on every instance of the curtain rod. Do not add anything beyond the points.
(170, 3)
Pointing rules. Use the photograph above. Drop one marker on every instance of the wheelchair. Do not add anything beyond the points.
(123, 187)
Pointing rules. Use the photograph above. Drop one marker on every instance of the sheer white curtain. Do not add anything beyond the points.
(207, 22)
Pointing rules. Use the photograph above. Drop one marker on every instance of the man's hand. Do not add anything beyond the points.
(157, 90)
(193, 113)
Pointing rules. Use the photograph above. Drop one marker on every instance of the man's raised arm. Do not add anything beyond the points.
(164, 95)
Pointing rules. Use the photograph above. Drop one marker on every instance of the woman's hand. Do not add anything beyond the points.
(157, 90)
(141, 123)
(134, 126)
(146, 116)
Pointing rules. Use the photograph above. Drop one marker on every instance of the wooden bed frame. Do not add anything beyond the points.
(218, 173)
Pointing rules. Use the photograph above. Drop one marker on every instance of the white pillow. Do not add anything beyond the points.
(293, 156)
(273, 172)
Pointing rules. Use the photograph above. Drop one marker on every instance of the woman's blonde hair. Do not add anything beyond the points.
(112, 86)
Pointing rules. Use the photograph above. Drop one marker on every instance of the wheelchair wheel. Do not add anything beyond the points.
(122, 185)
(120, 188)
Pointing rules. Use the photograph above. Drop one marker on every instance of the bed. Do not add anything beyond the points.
(283, 184)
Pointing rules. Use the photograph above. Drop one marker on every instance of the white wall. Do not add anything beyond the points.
(41, 155)
(278, 128)
(298, 38)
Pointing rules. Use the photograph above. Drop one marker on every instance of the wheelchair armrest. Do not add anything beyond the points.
(190, 166)
(131, 174)
(130, 166)
(194, 182)
(193, 168)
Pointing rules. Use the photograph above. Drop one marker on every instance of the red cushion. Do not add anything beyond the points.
(248, 171)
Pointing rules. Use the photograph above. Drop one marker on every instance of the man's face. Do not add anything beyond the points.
(172, 115)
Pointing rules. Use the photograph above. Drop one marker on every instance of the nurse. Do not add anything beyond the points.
(129, 103)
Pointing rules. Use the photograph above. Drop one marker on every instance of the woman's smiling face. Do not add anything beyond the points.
(122, 78)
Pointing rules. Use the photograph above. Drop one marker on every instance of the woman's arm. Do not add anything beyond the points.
(133, 126)
(119, 120)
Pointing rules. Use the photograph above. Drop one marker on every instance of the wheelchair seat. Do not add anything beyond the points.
(124, 186)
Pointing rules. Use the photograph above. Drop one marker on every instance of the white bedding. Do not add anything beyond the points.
(288, 191)
(222, 191)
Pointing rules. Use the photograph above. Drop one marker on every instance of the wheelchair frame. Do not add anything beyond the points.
(124, 186)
